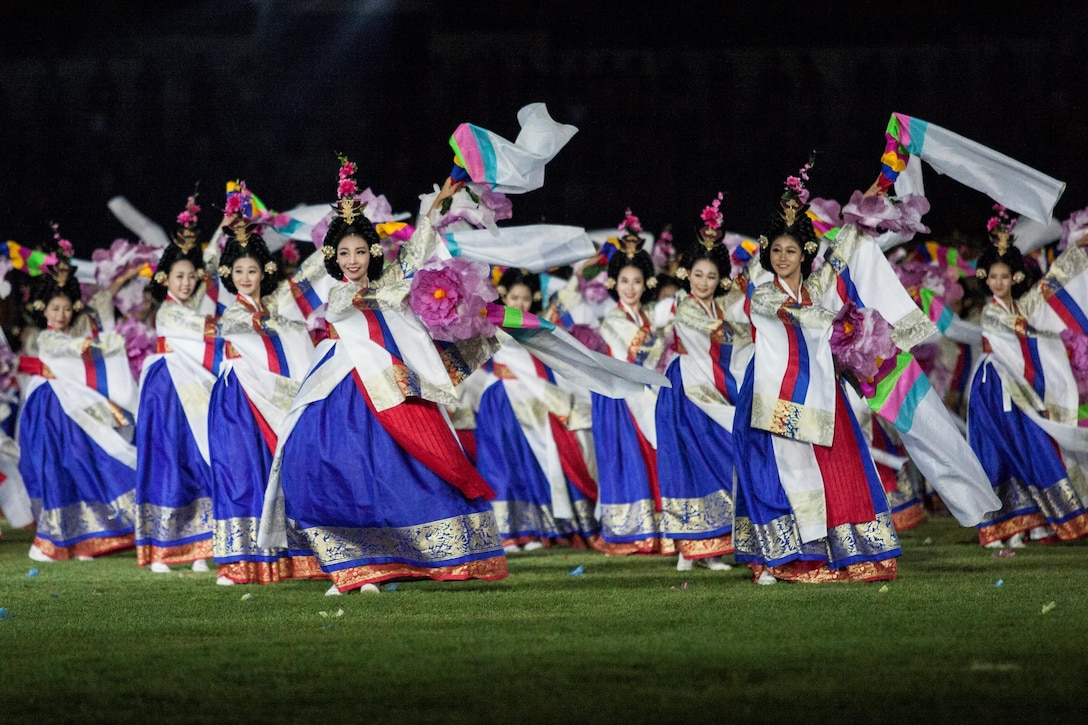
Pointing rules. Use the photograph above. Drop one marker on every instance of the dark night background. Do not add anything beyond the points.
(674, 101)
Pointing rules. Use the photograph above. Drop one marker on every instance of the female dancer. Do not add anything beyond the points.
(266, 358)
(373, 478)
(1022, 408)
(524, 449)
(75, 427)
(810, 505)
(624, 433)
(173, 476)
(694, 417)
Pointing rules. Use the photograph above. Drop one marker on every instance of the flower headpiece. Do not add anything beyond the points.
(711, 232)
(664, 254)
(347, 206)
(794, 201)
(185, 236)
(1000, 228)
(61, 267)
(290, 252)
(631, 240)
(240, 206)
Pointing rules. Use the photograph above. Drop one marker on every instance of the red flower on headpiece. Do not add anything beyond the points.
(712, 215)
(346, 188)
(1001, 219)
(796, 184)
(188, 217)
(290, 252)
(630, 223)
(63, 245)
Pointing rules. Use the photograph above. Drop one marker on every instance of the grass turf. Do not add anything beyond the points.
(624, 641)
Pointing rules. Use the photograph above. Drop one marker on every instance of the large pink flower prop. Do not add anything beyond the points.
(1076, 346)
(451, 297)
(861, 341)
(1073, 228)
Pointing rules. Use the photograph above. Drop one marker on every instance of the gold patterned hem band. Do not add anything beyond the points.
(705, 548)
(659, 547)
(87, 547)
(181, 554)
(491, 569)
(811, 572)
(1005, 529)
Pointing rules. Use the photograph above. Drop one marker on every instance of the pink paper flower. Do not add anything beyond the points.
(120, 257)
(861, 341)
(1076, 345)
(1073, 228)
(589, 337)
(450, 297)
(139, 342)
(879, 213)
(594, 290)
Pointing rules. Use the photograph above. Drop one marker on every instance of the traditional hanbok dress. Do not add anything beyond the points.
(694, 421)
(1022, 410)
(14, 501)
(624, 434)
(903, 485)
(369, 473)
(543, 488)
(75, 431)
(266, 358)
(174, 520)
(810, 505)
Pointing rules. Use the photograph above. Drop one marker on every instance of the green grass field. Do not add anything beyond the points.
(625, 641)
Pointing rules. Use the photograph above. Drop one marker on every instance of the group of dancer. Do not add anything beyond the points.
(378, 415)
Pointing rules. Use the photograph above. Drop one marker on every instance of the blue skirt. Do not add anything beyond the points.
(630, 505)
(370, 511)
(240, 463)
(173, 483)
(523, 497)
(766, 531)
(694, 465)
(83, 496)
(1023, 465)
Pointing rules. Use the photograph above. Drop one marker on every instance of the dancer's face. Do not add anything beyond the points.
(630, 285)
(58, 313)
(247, 276)
(999, 280)
(704, 279)
(353, 256)
(786, 257)
(182, 280)
(519, 296)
